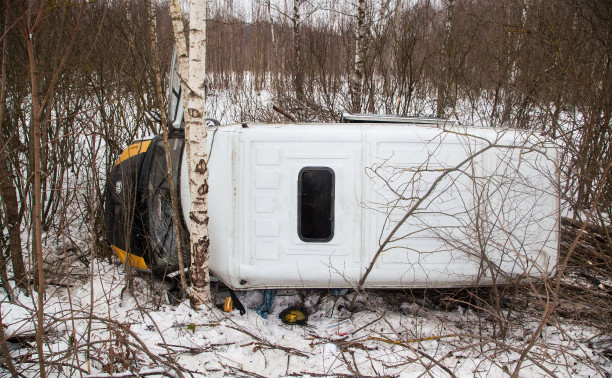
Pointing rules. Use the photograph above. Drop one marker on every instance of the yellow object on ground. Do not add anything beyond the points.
(228, 305)
(135, 261)
(294, 316)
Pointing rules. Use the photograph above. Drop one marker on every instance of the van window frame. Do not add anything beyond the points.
(332, 219)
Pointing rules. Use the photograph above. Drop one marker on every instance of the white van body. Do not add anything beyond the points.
(491, 219)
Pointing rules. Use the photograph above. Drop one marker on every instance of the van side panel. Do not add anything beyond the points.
(519, 208)
(403, 166)
(272, 251)
(489, 219)
(492, 216)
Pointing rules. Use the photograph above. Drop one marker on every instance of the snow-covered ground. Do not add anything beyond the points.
(392, 333)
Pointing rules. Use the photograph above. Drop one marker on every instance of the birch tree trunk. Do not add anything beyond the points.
(197, 158)
(176, 15)
(444, 98)
(195, 142)
(357, 79)
(298, 79)
(274, 65)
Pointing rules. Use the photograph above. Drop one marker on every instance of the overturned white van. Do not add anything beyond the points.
(309, 205)
(433, 203)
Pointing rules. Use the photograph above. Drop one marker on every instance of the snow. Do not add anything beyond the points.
(391, 333)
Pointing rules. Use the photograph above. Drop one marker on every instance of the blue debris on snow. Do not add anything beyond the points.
(266, 303)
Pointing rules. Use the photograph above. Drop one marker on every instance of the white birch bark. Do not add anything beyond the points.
(176, 15)
(357, 77)
(275, 59)
(297, 52)
(445, 99)
(195, 141)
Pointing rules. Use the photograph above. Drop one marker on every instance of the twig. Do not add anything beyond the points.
(284, 112)
(397, 342)
(262, 343)
(245, 332)
(249, 373)
(141, 373)
(341, 375)
(286, 349)
(192, 350)
(370, 323)
(197, 325)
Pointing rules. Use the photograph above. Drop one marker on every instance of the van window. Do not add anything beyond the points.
(175, 96)
(316, 204)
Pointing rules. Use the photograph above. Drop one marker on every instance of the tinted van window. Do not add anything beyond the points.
(316, 204)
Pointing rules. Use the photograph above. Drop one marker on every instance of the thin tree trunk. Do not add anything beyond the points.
(298, 72)
(8, 192)
(91, 258)
(357, 78)
(3, 275)
(176, 15)
(37, 242)
(10, 207)
(275, 63)
(8, 360)
(444, 98)
(511, 95)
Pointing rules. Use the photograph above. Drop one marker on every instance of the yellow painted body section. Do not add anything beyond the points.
(133, 150)
(133, 260)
